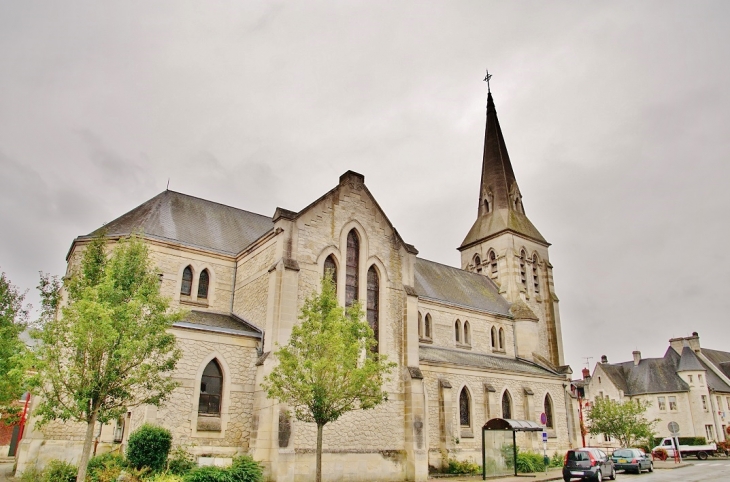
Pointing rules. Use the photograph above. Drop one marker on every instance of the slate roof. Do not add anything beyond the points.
(721, 359)
(500, 220)
(651, 375)
(458, 287)
(689, 361)
(192, 221)
(218, 322)
(427, 353)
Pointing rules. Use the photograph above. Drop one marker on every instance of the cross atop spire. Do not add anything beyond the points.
(486, 79)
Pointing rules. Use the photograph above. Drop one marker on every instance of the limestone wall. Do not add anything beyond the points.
(465, 442)
(444, 319)
(252, 284)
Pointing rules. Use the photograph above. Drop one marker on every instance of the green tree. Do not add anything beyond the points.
(624, 421)
(13, 320)
(328, 368)
(108, 347)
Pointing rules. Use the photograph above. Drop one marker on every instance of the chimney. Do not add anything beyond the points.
(694, 342)
(604, 359)
(637, 357)
(586, 373)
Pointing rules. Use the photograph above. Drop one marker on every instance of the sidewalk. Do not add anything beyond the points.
(5, 469)
(553, 474)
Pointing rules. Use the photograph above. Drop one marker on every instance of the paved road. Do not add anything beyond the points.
(702, 471)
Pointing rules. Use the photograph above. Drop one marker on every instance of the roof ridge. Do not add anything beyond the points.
(214, 202)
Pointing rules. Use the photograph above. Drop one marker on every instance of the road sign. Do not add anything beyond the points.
(673, 428)
(544, 436)
(543, 418)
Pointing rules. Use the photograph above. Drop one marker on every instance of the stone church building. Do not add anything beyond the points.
(471, 343)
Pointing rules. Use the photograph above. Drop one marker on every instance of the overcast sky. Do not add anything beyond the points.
(616, 116)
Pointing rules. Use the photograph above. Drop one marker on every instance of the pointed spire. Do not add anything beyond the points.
(498, 188)
(500, 200)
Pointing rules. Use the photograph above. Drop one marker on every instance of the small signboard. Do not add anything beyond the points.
(673, 428)
(543, 418)
(544, 437)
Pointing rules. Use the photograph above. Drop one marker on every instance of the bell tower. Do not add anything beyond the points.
(504, 245)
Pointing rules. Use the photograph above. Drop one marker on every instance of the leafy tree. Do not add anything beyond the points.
(13, 320)
(107, 349)
(328, 368)
(624, 421)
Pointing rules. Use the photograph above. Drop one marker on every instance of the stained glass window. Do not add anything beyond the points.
(203, 284)
(211, 385)
(187, 281)
(353, 261)
(464, 413)
(373, 303)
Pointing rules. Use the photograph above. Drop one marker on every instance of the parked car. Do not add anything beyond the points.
(588, 464)
(633, 460)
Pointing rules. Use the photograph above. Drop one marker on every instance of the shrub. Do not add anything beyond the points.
(246, 469)
(466, 467)
(660, 454)
(59, 471)
(529, 462)
(180, 462)
(165, 478)
(557, 460)
(105, 467)
(148, 446)
(31, 474)
(208, 474)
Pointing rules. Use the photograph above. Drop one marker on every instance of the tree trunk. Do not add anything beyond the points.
(81, 475)
(319, 452)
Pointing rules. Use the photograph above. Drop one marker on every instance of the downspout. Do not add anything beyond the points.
(233, 283)
(715, 409)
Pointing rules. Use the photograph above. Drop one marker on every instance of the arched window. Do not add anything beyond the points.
(464, 408)
(494, 337)
(457, 331)
(523, 269)
(549, 411)
(535, 276)
(478, 263)
(330, 270)
(506, 405)
(373, 303)
(420, 326)
(501, 338)
(427, 326)
(467, 334)
(353, 265)
(486, 205)
(187, 281)
(211, 385)
(203, 284)
(493, 262)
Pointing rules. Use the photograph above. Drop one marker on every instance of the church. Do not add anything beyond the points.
(471, 343)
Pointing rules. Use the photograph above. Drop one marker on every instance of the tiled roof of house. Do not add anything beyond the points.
(651, 375)
(458, 287)
(192, 221)
(689, 361)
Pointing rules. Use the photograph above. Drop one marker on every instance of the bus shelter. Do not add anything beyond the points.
(499, 440)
